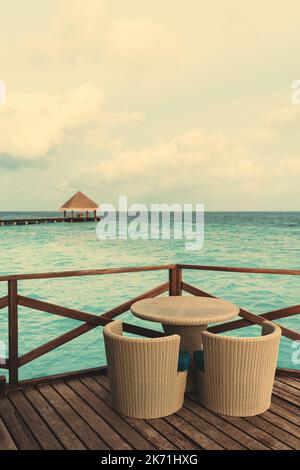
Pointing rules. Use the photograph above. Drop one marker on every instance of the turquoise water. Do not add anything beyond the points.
(233, 239)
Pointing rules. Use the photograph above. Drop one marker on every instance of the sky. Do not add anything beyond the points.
(171, 102)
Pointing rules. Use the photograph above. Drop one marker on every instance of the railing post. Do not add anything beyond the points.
(13, 331)
(175, 278)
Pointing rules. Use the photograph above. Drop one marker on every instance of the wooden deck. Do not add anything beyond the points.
(75, 413)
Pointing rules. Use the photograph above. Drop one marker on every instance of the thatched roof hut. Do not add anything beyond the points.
(79, 203)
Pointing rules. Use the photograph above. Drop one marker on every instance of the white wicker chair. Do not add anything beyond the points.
(143, 373)
(238, 373)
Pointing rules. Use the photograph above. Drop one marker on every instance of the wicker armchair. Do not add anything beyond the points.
(143, 375)
(235, 375)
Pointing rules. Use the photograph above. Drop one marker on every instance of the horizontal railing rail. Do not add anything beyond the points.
(236, 269)
(174, 286)
(86, 272)
(248, 317)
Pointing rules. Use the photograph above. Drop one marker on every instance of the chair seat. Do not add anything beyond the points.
(199, 360)
(183, 361)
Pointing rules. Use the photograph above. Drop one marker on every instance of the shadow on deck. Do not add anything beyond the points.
(75, 413)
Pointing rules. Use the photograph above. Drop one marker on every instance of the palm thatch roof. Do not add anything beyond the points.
(79, 202)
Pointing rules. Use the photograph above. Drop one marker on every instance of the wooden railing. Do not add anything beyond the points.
(174, 285)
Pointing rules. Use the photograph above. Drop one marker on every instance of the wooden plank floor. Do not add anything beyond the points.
(76, 414)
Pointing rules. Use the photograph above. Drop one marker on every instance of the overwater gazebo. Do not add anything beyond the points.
(81, 204)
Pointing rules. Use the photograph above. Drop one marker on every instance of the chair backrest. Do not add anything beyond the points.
(155, 355)
(237, 359)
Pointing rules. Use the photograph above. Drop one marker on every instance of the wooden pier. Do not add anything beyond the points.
(49, 220)
(73, 410)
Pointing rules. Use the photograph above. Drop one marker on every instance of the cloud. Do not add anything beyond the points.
(278, 126)
(74, 27)
(80, 17)
(32, 124)
(186, 163)
(290, 167)
(138, 40)
(85, 30)
(286, 118)
(119, 118)
(77, 27)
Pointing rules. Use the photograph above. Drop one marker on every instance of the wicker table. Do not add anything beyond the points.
(186, 316)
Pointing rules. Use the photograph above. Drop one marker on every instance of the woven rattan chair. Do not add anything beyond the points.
(235, 375)
(143, 375)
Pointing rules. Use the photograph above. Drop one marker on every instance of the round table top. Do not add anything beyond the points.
(185, 310)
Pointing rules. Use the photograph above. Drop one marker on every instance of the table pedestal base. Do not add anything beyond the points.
(191, 340)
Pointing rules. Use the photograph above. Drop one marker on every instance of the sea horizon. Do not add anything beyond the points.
(206, 211)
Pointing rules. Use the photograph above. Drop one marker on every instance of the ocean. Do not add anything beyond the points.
(249, 239)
